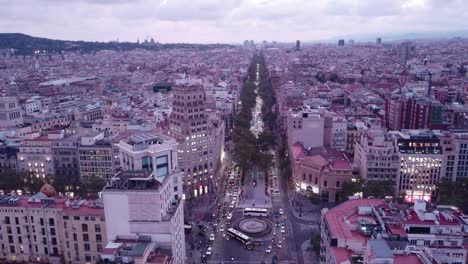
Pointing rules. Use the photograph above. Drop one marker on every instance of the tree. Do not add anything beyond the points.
(91, 186)
(453, 193)
(11, 180)
(349, 188)
(379, 189)
(315, 243)
(266, 140)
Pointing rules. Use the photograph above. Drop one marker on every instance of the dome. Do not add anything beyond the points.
(48, 190)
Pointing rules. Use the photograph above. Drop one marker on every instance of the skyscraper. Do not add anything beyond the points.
(379, 40)
(341, 42)
(298, 45)
(200, 139)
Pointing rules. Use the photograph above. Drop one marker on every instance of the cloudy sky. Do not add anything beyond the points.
(227, 21)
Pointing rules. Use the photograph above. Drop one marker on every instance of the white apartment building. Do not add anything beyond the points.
(306, 127)
(376, 157)
(143, 202)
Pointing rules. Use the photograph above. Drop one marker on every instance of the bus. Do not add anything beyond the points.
(187, 227)
(239, 236)
(256, 212)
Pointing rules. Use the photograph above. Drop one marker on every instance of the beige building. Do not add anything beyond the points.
(35, 153)
(200, 135)
(43, 228)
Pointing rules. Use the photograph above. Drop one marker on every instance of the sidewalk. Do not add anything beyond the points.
(309, 255)
(303, 208)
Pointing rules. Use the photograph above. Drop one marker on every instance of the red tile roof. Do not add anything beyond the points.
(335, 217)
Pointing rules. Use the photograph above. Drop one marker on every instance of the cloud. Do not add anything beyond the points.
(227, 20)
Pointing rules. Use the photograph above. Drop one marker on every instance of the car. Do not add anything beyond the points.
(233, 204)
(234, 198)
(278, 245)
(221, 228)
(281, 211)
(212, 237)
(268, 250)
(258, 243)
(249, 247)
(283, 230)
(229, 216)
(208, 251)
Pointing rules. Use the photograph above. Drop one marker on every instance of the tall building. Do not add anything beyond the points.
(379, 41)
(142, 203)
(200, 138)
(341, 42)
(298, 45)
(10, 112)
(47, 229)
(405, 51)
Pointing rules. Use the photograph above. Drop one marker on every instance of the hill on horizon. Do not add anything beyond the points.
(26, 45)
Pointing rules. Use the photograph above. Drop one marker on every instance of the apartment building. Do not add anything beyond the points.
(96, 156)
(143, 202)
(371, 231)
(35, 153)
(303, 123)
(47, 229)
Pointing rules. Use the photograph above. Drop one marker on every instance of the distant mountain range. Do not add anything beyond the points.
(26, 45)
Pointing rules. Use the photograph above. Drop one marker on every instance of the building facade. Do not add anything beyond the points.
(200, 136)
(47, 229)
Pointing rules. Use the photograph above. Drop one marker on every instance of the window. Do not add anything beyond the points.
(84, 227)
(7, 220)
(162, 166)
(98, 238)
(97, 228)
(147, 163)
(325, 183)
(87, 247)
(337, 184)
(85, 237)
(51, 221)
(75, 237)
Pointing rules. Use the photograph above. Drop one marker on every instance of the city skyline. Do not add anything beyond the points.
(209, 21)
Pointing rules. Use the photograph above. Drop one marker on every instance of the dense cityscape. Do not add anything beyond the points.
(343, 152)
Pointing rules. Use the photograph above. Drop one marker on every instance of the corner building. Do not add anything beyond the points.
(200, 137)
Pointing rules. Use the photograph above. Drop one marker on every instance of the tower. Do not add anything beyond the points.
(298, 45)
(199, 153)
